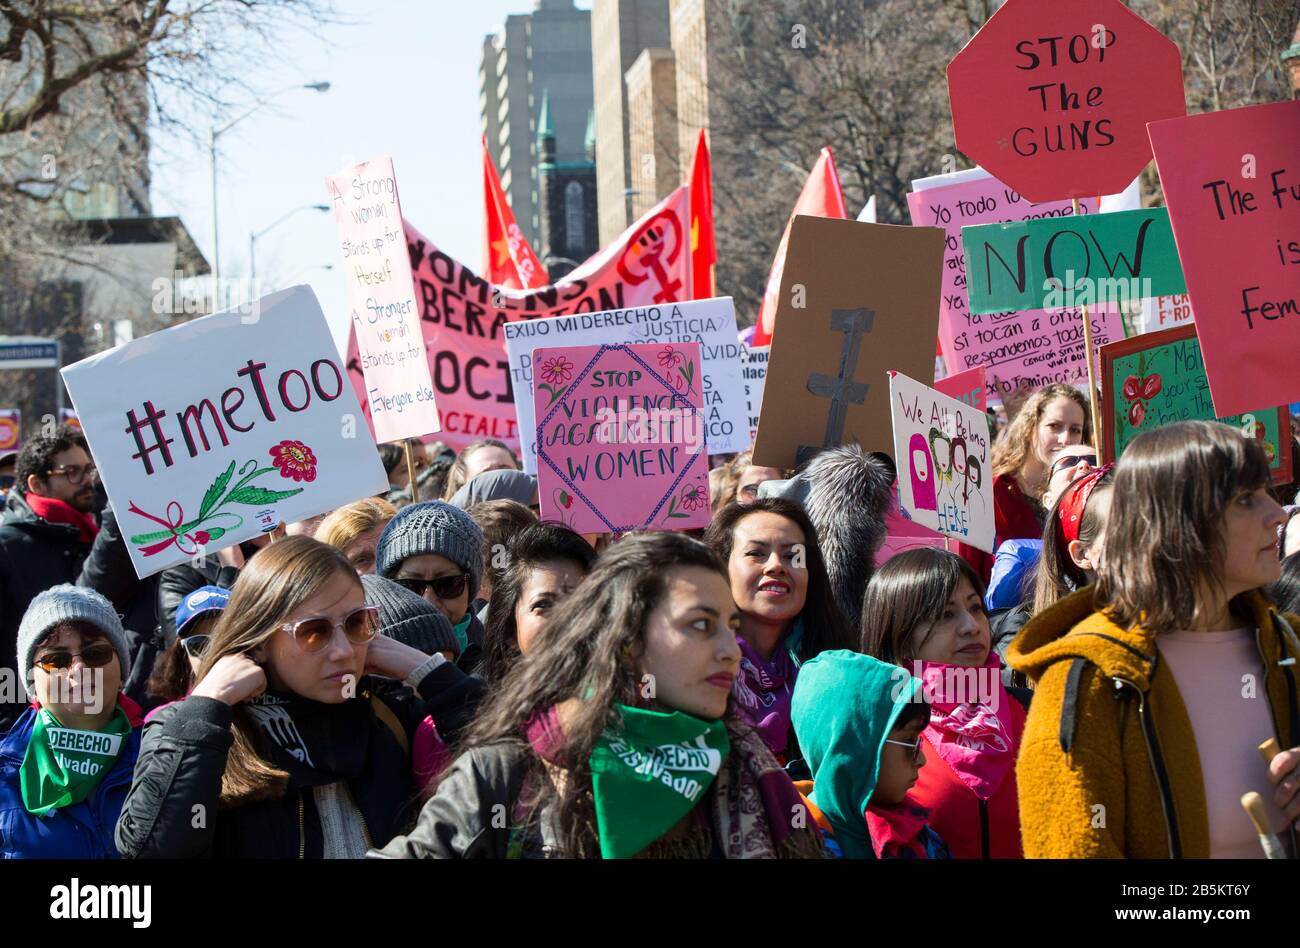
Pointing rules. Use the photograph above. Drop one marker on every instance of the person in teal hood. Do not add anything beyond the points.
(858, 721)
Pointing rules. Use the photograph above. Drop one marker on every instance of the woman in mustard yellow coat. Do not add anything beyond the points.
(1155, 687)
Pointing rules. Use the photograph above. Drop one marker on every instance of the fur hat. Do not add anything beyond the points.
(848, 496)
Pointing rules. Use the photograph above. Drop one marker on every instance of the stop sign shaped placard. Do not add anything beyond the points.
(1053, 96)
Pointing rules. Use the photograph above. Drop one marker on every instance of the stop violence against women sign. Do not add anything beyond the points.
(620, 437)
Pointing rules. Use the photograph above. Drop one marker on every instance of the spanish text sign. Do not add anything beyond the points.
(212, 432)
(710, 323)
(620, 437)
(942, 449)
(1232, 184)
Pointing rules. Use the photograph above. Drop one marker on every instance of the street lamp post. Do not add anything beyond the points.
(252, 237)
(213, 134)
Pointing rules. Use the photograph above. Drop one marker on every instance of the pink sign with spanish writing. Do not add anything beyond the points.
(621, 437)
(1041, 346)
(381, 297)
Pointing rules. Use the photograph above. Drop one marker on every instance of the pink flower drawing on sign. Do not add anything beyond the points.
(556, 373)
(295, 461)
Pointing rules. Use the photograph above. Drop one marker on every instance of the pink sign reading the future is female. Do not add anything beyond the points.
(621, 437)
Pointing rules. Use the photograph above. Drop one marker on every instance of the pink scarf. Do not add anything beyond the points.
(970, 722)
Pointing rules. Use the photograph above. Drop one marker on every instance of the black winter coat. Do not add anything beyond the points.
(34, 555)
(172, 808)
(108, 570)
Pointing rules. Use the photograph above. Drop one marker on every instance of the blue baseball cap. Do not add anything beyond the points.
(204, 599)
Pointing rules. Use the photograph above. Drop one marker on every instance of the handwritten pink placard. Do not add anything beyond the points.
(1043, 346)
(1232, 183)
(621, 437)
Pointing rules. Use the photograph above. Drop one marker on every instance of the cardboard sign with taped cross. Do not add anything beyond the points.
(869, 296)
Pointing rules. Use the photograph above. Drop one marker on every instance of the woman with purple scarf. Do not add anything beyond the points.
(787, 612)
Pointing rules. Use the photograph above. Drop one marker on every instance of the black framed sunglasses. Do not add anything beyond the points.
(444, 587)
(1071, 460)
(314, 633)
(94, 656)
(75, 473)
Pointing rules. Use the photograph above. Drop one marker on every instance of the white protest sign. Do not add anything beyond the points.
(756, 358)
(381, 297)
(941, 447)
(214, 431)
(711, 323)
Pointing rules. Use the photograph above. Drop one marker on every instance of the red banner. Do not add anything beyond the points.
(462, 314)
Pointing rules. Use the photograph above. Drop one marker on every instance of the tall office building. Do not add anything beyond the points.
(547, 50)
(652, 128)
(620, 31)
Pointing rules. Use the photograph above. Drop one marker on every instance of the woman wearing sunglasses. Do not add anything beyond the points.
(196, 616)
(436, 550)
(1053, 418)
(287, 746)
(924, 610)
(66, 764)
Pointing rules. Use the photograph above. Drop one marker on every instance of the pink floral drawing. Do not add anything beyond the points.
(557, 370)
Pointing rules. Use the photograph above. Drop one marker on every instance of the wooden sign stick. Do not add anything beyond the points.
(1091, 361)
(410, 471)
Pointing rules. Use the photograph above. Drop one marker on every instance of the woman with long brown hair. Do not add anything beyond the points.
(787, 609)
(1155, 686)
(290, 744)
(1053, 418)
(614, 736)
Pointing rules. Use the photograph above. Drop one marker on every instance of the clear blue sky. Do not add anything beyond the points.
(404, 82)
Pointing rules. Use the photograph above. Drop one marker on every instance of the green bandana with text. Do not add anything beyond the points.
(63, 765)
(650, 774)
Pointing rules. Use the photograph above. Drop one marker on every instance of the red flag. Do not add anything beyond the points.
(704, 251)
(821, 197)
(507, 258)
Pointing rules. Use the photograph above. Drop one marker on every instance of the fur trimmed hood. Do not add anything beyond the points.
(849, 493)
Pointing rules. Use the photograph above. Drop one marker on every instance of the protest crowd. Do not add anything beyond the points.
(887, 616)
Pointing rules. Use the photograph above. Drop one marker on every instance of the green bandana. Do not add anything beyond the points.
(650, 774)
(63, 766)
(461, 629)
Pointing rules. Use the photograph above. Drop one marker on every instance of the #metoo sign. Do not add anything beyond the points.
(945, 480)
(215, 431)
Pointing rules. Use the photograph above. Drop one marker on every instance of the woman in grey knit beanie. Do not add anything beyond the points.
(436, 550)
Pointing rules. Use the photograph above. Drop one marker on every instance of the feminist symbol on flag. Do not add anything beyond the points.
(656, 247)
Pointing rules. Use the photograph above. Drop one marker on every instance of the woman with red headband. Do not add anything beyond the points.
(1072, 540)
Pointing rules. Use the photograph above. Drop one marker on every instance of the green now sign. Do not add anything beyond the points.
(1083, 260)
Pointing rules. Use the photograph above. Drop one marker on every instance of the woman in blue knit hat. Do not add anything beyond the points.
(65, 765)
(435, 550)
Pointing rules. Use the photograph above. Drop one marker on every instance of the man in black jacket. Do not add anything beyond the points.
(47, 530)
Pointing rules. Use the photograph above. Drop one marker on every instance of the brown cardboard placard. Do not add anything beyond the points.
(870, 295)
